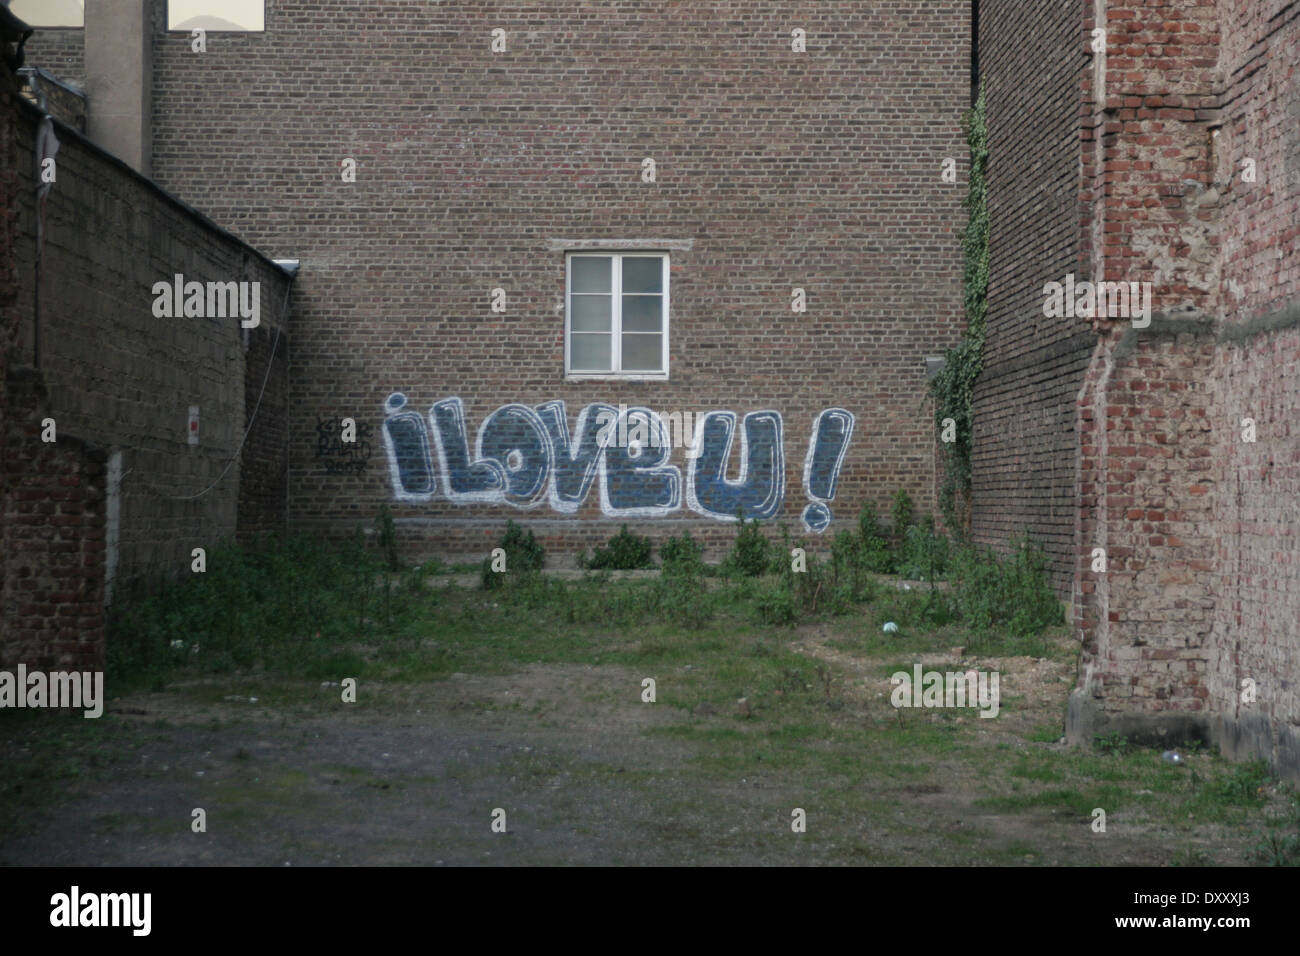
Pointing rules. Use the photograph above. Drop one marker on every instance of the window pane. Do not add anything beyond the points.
(591, 273)
(589, 313)
(590, 353)
(643, 353)
(643, 274)
(49, 13)
(217, 15)
(642, 313)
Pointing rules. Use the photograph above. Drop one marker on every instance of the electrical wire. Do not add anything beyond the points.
(270, 363)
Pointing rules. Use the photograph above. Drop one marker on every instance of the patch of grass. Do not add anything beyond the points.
(1111, 744)
(804, 722)
(624, 552)
(1045, 734)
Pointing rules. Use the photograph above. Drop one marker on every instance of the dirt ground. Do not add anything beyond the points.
(585, 771)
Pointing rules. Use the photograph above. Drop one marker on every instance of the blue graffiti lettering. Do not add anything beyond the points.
(524, 456)
(635, 480)
(462, 479)
(514, 437)
(575, 461)
(409, 465)
(760, 489)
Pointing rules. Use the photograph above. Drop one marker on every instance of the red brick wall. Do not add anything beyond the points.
(1256, 634)
(1147, 492)
(52, 531)
(1202, 588)
(819, 170)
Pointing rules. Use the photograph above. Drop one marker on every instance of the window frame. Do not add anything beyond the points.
(616, 314)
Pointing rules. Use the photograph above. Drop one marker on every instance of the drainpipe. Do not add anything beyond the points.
(47, 145)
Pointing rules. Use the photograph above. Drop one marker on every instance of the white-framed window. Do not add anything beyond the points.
(616, 315)
(217, 16)
(50, 13)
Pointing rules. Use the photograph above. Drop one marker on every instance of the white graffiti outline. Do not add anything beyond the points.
(848, 417)
(394, 404)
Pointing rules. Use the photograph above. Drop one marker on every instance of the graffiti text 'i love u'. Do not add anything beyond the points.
(525, 456)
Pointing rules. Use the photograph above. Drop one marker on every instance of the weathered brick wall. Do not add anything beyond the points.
(1147, 465)
(122, 378)
(1032, 58)
(1147, 488)
(1189, 460)
(52, 533)
(819, 170)
(1257, 633)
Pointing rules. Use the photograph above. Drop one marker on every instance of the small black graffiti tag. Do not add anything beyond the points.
(342, 457)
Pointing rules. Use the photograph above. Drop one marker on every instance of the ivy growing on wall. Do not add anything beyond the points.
(952, 387)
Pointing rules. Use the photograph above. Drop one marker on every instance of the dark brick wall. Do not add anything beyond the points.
(8, 266)
(264, 458)
(1032, 57)
(59, 50)
(121, 378)
(819, 170)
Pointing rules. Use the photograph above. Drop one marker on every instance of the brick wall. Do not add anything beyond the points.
(1023, 460)
(264, 459)
(818, 170)
(61, 51)
(1188, 456)
(123, 379)
(53, 536)
(51, 494)
(8, 251)
(1255, 634)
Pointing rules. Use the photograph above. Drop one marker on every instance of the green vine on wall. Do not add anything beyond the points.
(953, 386)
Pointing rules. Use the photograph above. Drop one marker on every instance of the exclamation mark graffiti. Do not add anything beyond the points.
(831, 432)
(407, 440)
